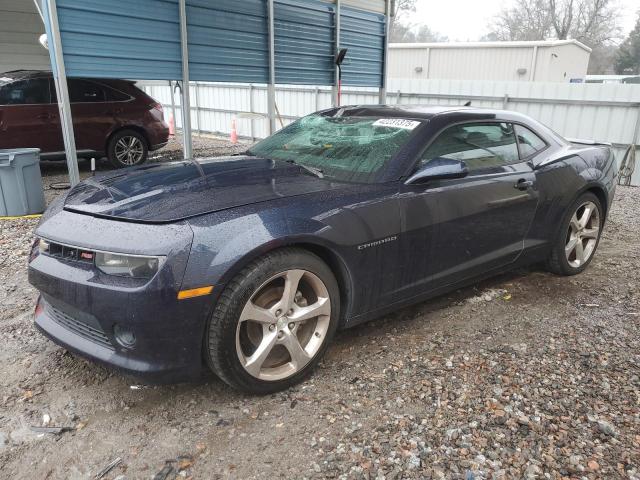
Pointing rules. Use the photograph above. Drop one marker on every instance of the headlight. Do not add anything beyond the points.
(43, 245)
(39, 246)
(133, 266)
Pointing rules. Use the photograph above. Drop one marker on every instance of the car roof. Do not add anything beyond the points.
(26, 74)
(397, 111)
(426, 112)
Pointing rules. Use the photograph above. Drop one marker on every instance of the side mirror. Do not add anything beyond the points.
(439, 169)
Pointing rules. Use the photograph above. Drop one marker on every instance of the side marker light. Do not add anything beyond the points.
(194, 292)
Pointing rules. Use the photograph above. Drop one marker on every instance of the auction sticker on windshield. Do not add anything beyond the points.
(396, 123)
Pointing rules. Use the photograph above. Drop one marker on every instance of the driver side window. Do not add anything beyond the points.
(479, 145)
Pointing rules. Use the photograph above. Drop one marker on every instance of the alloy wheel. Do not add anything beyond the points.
(129, 150)
(283, 325)
(583, 234)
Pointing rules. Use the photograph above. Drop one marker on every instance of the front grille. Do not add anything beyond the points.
(69, 253)
(87, 331)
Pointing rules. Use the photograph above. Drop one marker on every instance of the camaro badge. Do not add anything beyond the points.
(377, 242)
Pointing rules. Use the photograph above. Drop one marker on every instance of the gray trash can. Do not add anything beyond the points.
(21, 191)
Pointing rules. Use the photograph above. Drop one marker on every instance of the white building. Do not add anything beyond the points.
(545, 61)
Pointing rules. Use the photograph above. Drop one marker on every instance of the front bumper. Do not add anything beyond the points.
(80, 307)
(158, 146)
(154, 358)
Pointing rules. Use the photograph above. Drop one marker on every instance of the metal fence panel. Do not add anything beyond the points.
(363, 33)
(228, 40)
(304, 42)
(125, 37)
(608, 113)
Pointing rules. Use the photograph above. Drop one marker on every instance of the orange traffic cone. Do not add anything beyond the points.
(172, 124)
(234, 132)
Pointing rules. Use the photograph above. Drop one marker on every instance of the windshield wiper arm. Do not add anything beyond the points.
(246, 153)
(315, 171)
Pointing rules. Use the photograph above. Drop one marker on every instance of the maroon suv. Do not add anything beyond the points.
(110, 117)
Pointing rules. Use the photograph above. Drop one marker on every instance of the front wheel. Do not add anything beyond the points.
(127, 148)
(579, 236)
(273, 322)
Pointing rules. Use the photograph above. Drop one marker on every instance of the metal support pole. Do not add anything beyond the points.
(251, 108)
(186, 103)
(198, 120)
(37, 2)
(334, 91)
(636, 132)
(505, 101)
(60, 78)
(428, 63)
(271, 87)
(316, 93)
(534, 62)
(382, 96)
(173, 103)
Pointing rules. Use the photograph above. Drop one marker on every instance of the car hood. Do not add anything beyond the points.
(168, 192)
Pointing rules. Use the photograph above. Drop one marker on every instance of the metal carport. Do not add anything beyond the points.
(266, 41)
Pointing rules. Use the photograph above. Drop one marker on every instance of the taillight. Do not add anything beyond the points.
(158, 106)
(38, 310)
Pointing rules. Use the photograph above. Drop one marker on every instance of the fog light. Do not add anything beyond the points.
(124, 336)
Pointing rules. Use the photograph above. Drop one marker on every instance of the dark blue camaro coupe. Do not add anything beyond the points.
(249, 264)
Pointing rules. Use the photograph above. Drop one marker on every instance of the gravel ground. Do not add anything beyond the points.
(527, 375)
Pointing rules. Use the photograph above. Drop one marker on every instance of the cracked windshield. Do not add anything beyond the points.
(350, 149)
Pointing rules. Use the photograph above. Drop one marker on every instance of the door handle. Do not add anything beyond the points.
(523, 184)
(43, 116)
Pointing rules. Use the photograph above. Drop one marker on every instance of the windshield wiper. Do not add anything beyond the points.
(315, 171)
(246, 153)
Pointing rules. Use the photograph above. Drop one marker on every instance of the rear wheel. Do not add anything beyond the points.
(273, 322)
(579, 236)
(127, 148)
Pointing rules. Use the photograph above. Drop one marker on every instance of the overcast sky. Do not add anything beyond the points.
(467, 20)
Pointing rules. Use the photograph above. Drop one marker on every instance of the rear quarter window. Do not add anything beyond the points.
(83, 91)
(113, 95)
(529, 142)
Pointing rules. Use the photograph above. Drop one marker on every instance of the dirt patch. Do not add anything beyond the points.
(526, 375)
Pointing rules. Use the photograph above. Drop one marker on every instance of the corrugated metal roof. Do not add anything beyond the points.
(20, 27)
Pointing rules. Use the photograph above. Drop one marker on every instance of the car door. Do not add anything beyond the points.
(26, 115)
(472, 225)
(90, 112)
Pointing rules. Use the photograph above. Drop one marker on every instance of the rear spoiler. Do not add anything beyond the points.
(580, 141)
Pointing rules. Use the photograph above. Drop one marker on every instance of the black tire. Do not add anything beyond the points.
(558, 262)
(220, 337)
(141, 148)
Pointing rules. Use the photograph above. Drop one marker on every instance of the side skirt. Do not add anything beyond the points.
(528, 258)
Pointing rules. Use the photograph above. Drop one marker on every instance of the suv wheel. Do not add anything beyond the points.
(127, 148)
